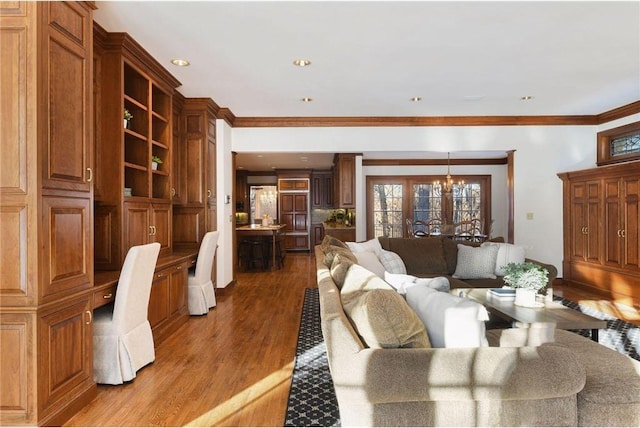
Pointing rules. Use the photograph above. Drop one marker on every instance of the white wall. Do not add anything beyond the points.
(541, 153)
(224, 184)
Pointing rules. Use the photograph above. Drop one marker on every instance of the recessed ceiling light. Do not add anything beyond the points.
(526, 98)
(306, 100)
(180, 62)
(301, 62)
(416, 99)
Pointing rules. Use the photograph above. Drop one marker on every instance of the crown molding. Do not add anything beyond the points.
(413, 162)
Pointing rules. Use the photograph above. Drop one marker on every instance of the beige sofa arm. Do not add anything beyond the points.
(399, 375)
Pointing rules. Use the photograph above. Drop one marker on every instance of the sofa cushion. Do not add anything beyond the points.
(507, 253)
(372, 245)
(339, 268)
(384, 320)
(476, 262)
(359, 278)
(370, 261)
(420, 255)
(392, 262)
(451, 321)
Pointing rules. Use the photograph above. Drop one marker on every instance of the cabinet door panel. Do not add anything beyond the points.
(612, 230)
(66, 350)
(178, 289)
(159, 299)
(68, 242)
(136, 226)
(631, 222)
(300, 203)
(194, 174)
(161, 222)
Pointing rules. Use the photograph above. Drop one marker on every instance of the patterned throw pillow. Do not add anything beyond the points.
(392, 262)
(476, 262)
(332, 250)
(339, 268)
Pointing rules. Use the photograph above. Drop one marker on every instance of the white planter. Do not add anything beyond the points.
(526, 297)
(126, 124)
(154, 165)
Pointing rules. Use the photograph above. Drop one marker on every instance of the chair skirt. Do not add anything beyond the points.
(118, 356)
(201, 297)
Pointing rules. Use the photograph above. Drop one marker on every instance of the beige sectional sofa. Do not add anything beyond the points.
(570, 382)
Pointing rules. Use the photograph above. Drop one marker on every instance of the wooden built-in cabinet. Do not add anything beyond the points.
(344, 180)
(194, 213)
(46, 211)
(135, 207)
(601, 223)
(293, 210)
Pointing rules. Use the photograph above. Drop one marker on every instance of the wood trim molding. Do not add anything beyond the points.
(618, 113)
(404, 162)
(388, 121)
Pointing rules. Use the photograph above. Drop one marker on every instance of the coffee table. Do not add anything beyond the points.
(564, 318)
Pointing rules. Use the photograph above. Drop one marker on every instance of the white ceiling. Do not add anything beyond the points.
(369, 58)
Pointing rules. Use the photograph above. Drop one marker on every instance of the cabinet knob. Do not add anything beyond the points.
(89, 317)
(90, 175)
(107, 296)
(150, 230)
(173, 192)
(623, 233)
(208, 193)
(179, 267)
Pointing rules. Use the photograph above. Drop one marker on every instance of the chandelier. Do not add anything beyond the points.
(447, 186)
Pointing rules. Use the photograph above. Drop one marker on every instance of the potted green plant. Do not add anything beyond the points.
(155, 161)
(127, 117)
(528, 279)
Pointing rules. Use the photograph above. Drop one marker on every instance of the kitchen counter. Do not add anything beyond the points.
(340, 231)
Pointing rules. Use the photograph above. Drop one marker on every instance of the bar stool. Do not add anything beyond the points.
(253, 252)
(281, 252)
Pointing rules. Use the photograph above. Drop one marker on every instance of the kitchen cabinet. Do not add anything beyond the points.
(293, 208)
(322, 190)
(317, 234)
(167, 301)
(46, 220)
(601, 215)
(344, 176)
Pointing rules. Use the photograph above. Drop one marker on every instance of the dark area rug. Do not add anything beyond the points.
(312, 400)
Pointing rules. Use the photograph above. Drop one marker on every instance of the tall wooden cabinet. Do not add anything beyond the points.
(601, 223)
(293, 208)
(46, 206)
(194, 212)
(135, 207)
(344, 180)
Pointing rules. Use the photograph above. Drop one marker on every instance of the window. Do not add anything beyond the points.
(392, 200)
(619, 144)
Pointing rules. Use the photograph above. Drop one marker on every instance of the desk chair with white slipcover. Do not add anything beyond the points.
(122, 338)
(201, 294)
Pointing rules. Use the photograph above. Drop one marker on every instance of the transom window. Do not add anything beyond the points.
(619, 144)
(393, 200)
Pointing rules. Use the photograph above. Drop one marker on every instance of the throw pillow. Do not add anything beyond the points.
(331, 252)
(507, 253)
(372, 245)
(329, 240)
(402, 282)
(422, 256)
(359, 278)
(392, 262)
(476, 262)
(369, 260)
(451, 321)
(383, 320)
(339, 269)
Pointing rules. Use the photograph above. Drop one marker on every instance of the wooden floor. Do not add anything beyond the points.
(233, 366)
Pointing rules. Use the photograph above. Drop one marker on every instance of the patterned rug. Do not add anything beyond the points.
(312, 400)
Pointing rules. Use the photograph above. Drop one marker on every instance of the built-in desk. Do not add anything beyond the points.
(168, 302)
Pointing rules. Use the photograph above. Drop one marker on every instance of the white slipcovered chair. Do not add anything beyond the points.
(122, 338)
(201, 294)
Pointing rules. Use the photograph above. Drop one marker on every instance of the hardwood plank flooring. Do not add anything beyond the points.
(232, 367)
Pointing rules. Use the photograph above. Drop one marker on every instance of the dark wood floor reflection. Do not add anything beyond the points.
(233, 366)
